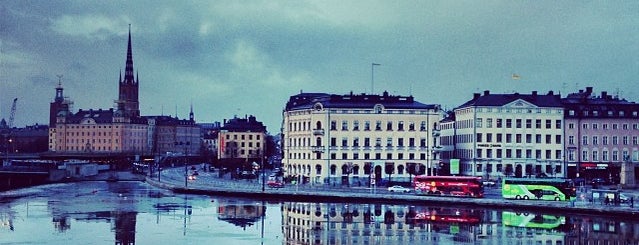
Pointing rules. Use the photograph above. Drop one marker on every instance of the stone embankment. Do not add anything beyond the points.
(581, 207)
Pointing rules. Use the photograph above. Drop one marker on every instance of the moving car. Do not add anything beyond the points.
(398, 188)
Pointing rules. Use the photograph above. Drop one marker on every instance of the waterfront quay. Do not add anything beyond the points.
(210, 183)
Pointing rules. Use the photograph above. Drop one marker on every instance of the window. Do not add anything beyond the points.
(489, 137)
(604, 155)
(604, 140)
(509, 138)
(478, 137)
(518, 123)
(356, 142)
(499, 137)
(558, 124)
(499, 123)
(498, 153)
(548, 139)
(333, 125)
(478, 123)
(584, 140)
(509, 123)
(595, 126)
(422, 126)
(356, 125)
(558, 139)
(389, 126)
(538, 123)
(548, 124)
(595, 140)
(400, 126)
(344, 125)
(528, 138)
(411, 126)
(378, 125)
(389, 141)
(584, 155)
(595, 156)
(400, 142)
(615, 140)
(538, 138)
(518, 138)
(528, 123)
(489, 122)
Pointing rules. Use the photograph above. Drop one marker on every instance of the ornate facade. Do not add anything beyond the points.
(358, 139)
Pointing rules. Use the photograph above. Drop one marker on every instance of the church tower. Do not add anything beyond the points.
(127, 103)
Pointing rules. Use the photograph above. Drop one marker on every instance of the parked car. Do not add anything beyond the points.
(275, 184)
(398, 188)
(488, 183)
(598, 181)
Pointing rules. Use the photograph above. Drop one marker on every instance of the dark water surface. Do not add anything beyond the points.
(136, 213)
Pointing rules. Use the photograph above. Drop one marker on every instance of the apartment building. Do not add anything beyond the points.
(496, 135)
(358, 139)
(602, 133)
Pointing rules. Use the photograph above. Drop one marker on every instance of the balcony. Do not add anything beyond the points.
(319, 131)
(317, 148)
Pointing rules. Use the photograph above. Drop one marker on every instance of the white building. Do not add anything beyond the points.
(338, 139)
(495, 135)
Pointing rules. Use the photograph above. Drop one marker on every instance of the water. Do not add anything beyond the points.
(136, 213)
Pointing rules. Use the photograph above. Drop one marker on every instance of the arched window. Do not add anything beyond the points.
(318, 169)
(333, 169)
(400, 169)
(318, 141)
(318, 125)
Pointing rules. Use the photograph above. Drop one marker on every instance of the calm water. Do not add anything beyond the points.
(136, 213)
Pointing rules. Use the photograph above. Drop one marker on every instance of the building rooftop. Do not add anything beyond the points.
(487, 99)
(309, 100)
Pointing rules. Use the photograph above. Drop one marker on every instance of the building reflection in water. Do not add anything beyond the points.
(122, 223)
(342, 223)
(241, 213)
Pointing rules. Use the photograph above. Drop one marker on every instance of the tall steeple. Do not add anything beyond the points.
(191, 115)
(127, 103)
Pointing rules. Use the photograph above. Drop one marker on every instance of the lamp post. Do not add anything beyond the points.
(186, 175)
(373, 77)
(263, 172)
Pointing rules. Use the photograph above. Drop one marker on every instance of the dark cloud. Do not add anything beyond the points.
(234, 58)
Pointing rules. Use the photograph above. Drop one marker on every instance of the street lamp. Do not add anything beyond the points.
(186, 175)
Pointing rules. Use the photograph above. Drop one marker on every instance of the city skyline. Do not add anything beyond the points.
(229, 58)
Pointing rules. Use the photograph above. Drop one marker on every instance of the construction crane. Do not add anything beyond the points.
(13, 113)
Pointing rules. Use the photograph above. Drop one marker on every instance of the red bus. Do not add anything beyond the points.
(465, 186)
(444, 215)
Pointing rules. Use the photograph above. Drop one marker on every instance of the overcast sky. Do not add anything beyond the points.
(230, 58)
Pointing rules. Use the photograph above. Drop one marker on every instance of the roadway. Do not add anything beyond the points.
(211, 184)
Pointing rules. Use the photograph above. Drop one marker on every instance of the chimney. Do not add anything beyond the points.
(551, 92)
(476, 96)
(486, 92)
(604, 95)
(534, 93)
(589, 90)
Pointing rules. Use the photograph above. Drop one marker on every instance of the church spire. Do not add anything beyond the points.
(191, 115)
(128, 70)
(128, 103)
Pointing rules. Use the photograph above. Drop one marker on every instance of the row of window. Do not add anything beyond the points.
(586, 140)
(604, 155)
(605, 126)
(504, 154)
(499, 167)
(609, 113)
(501, 138)
(390, 125)
(365, 156)
(518, 123)
(242, 137)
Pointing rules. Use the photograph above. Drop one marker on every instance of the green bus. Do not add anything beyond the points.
(534, 221)
(539, 189)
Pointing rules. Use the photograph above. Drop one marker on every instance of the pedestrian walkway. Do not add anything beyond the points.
(210, 183)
